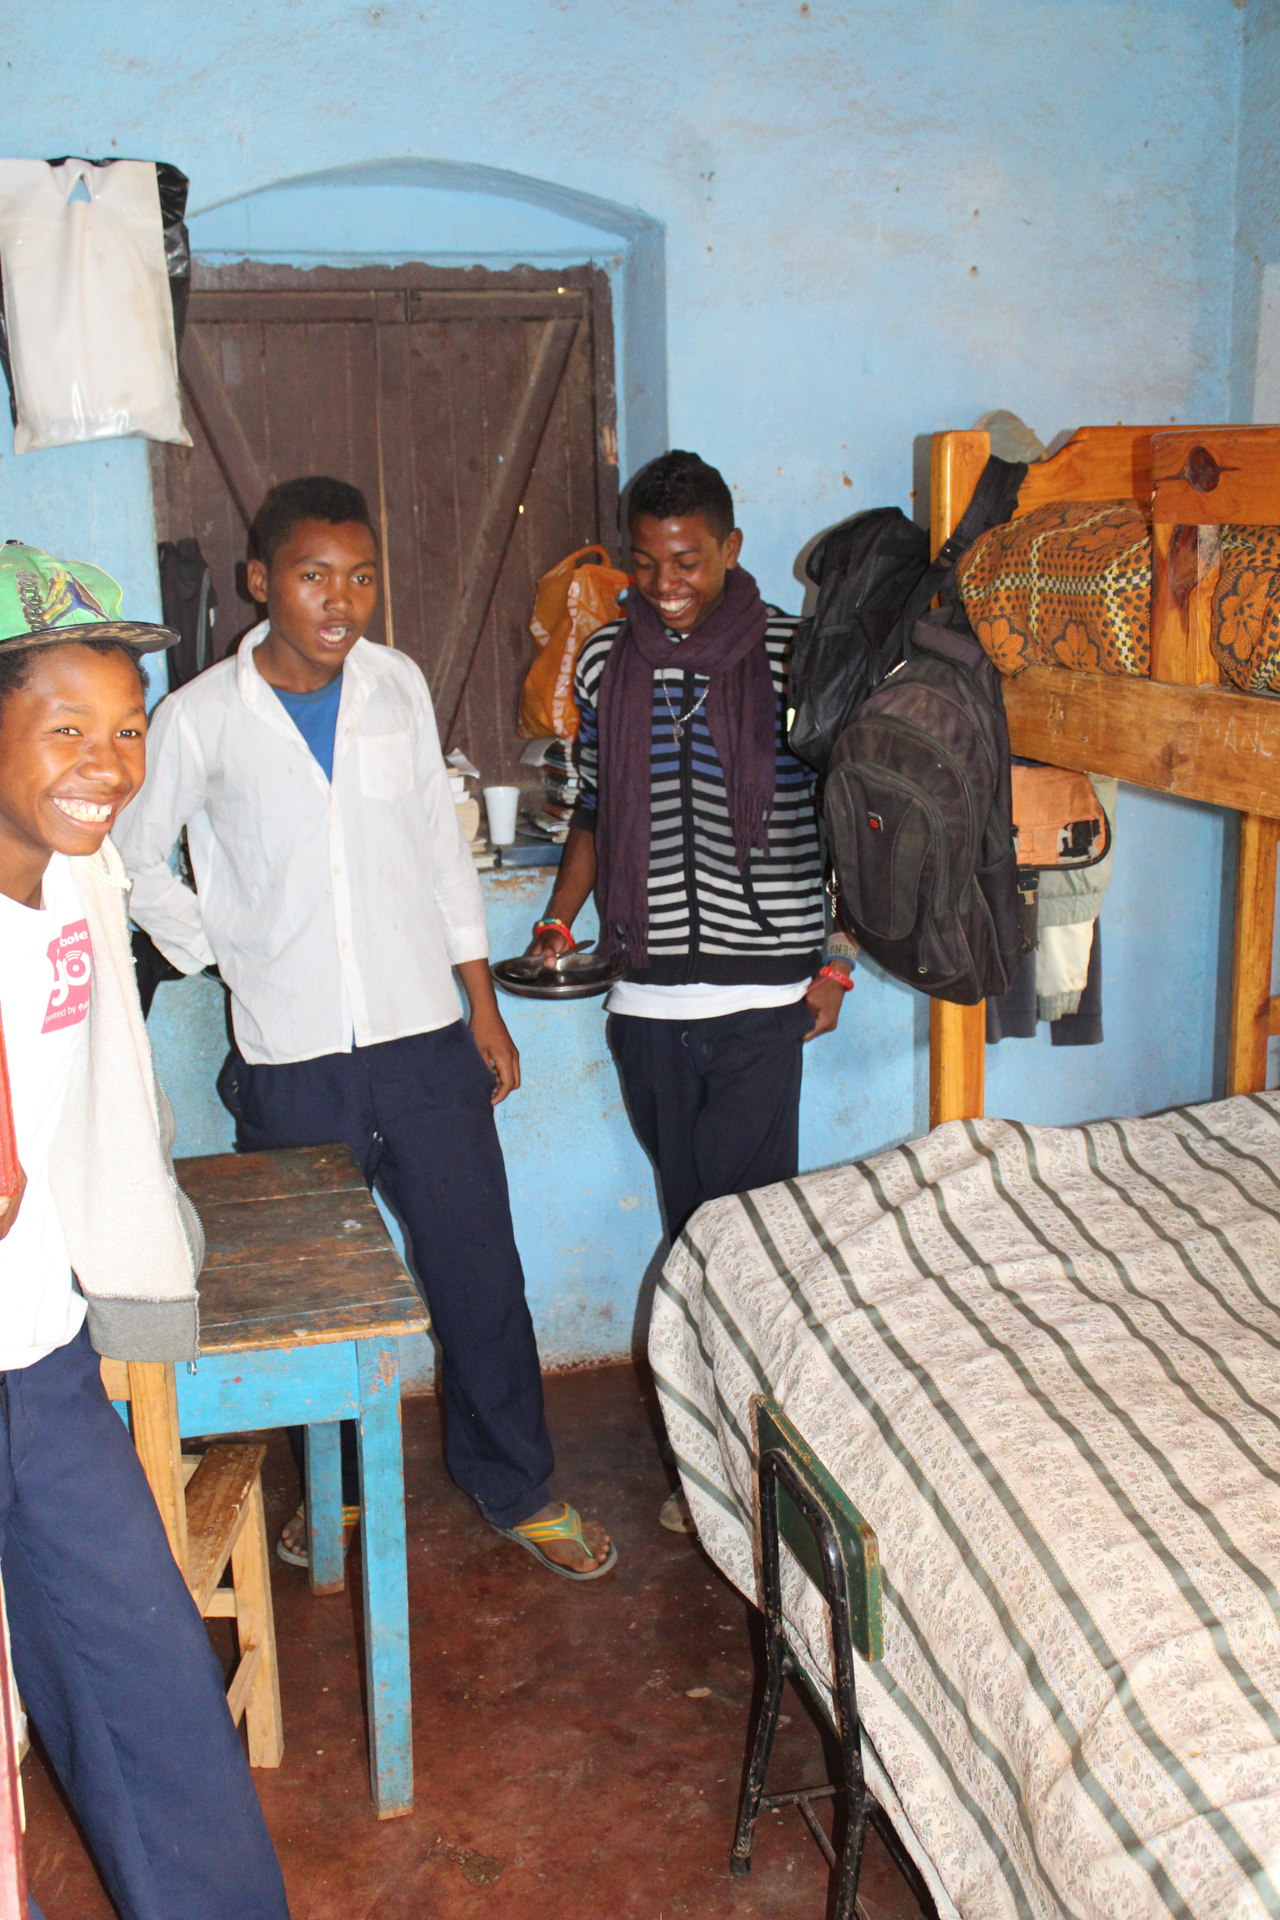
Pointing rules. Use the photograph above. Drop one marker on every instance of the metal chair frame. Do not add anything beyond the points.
(830, 1539)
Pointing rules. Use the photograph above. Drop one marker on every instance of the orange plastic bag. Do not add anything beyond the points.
(576, 597)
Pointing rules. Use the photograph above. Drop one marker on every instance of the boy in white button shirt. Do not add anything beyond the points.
(336, 893)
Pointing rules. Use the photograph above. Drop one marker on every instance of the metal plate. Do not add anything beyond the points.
(573, 976)
(531, 853)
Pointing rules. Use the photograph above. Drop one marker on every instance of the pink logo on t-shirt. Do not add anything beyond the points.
(72, 960)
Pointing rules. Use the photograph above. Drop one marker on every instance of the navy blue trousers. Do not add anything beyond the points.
(417, 1114)
(715, 1103)
(114, 1664)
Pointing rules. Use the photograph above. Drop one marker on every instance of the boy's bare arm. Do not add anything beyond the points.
(489, 1029)
(575, 883)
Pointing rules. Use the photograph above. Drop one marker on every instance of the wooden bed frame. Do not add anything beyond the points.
(1177, 732)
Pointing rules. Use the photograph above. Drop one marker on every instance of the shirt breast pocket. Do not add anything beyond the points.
(386, 765)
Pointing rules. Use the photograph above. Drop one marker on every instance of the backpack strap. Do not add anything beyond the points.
(945, 632)
(994, 499)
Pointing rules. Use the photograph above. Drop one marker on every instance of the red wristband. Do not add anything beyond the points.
(840, 975)
(554, 926)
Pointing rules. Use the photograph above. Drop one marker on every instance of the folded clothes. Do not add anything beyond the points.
(1245, 632)
(1068, 585)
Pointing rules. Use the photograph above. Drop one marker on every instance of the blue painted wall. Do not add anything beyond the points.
(85, 503)
(1257, 203)
(833, 226)
(878, 220)
(582, 1191)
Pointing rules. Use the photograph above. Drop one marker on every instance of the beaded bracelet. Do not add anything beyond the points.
(554, 926)
(841, 976)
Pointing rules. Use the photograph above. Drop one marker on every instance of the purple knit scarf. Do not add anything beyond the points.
(728, 648)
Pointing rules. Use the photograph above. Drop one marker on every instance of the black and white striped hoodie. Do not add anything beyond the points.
(709, 920)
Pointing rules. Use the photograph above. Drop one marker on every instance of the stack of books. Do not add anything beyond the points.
(549, 813)
(460, 771)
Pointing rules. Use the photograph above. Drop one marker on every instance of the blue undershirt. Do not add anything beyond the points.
(315, 715)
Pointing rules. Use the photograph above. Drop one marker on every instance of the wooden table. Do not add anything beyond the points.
(303, 1300)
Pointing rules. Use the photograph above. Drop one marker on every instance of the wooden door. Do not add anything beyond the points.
(474, 410)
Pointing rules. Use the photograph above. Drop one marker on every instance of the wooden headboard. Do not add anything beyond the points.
(1177, 732)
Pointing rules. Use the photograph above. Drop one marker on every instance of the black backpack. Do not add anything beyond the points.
(919, 821)
(874, 581)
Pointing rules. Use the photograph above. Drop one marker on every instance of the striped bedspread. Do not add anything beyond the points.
(1045, 1364)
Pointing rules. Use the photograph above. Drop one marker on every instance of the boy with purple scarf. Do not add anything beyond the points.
(697, 832)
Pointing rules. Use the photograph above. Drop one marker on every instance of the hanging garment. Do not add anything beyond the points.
(1062, 967)
(90, 321)
(1072, 894)
(1083, 1028)
(189, 601)
(1014, 1016)
(1069, 898)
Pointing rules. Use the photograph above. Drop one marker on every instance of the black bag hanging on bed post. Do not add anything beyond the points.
(874, 581)
(863, 569)
(919, 820)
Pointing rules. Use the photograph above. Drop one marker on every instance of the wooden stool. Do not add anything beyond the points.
(212, 1510)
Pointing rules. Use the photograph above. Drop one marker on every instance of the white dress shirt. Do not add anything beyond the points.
(334, 912)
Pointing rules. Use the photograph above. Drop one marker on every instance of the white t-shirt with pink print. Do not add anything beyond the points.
(45, 968)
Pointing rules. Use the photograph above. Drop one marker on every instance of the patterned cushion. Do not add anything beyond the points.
(1245, 636)
(1070, 584)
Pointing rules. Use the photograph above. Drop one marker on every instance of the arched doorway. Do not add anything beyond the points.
(333, 327)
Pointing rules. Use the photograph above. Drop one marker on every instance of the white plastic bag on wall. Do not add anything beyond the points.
(87, 303)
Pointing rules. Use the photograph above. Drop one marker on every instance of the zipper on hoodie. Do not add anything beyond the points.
(686, 825)
(749, 894)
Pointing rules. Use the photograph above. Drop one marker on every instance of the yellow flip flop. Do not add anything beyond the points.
(530, 1533)
(291, 1558)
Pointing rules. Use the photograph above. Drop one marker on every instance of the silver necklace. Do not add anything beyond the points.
(679, 721)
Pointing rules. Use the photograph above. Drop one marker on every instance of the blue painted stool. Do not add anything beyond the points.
(303, 1300)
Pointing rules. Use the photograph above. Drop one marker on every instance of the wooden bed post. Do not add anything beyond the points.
(1202, 480)
(1184, 572)
(1255, 1015)
(957, 1061)
(957, 1035)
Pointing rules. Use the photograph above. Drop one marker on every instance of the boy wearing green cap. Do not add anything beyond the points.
(110, 1654)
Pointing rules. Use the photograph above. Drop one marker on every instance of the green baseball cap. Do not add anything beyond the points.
(44, 601)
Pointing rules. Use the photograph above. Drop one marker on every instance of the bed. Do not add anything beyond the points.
(1043, 1362)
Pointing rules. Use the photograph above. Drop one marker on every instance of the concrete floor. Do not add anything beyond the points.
(562, 1769)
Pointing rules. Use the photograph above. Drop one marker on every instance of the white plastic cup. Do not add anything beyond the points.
(500, 805)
